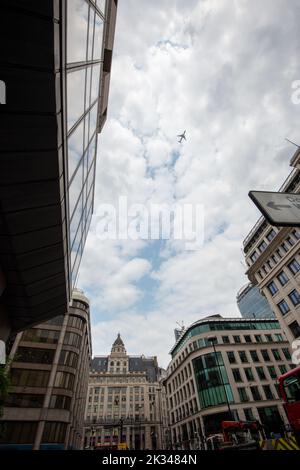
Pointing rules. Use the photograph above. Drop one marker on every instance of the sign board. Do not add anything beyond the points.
(280, 209)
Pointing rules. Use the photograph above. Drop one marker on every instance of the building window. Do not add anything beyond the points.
(248, 339)
(261, 373)
(54, 432)
(296, 234)
(254, 256)
(213, 388)
(243, 394)
(295, 297)
(284, 247)
(60, 402)
(18, 432)
(264, 269)
(231, 357)
(265, 355)
(290, 241)
(29, 378)
(282, 369)
(278, 337)
(237, 339)
(243, 356)
(35, 355)
(283, 278)
(269, 338)
(225, 339)
(24, 400)
(294, 266)
(272, 288)
(37, 335)
(262, 246)
(254, 356)
(258, 338)
(278, 252)
(56, 321)
(276, 354)
(255, 393)
(271, 234)
(272, 372)
(236, 375)
(295, 329)
(268, 392)
(68, 358)
(249, 414)
(283, 307)
(249, 373)
(286, 353)
(72, 339)
(64, 380)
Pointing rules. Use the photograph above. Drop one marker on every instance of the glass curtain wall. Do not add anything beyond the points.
(85, 28)
(209, 377)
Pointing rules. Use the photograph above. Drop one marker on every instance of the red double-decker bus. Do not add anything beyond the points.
(289, 387)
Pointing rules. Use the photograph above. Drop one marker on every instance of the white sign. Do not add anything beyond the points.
(2, 92)
(280, 209)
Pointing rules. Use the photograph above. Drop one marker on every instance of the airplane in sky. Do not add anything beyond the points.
(181, 136)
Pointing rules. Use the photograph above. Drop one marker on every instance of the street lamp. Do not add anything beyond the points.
(213, 340)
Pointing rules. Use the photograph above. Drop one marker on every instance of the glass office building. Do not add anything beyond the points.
(252, 304)
(85, 27)
(55, 63)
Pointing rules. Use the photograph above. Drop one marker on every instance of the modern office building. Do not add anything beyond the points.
(225, 368)
(252, 304)
(49, 382)
(55, 62)
(273, 259)
(126, 401)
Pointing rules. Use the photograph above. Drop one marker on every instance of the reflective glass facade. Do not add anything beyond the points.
(225, 325)
(252, 304)
(212, 380)
(56, 64)
(85, 31)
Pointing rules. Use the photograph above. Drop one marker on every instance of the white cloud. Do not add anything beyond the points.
(222, 71)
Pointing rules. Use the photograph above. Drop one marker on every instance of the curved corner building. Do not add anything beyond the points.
(49, 382)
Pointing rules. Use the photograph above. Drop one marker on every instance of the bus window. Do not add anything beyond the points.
(292, 388)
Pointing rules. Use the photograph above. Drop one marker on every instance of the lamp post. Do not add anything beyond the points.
(212, 340)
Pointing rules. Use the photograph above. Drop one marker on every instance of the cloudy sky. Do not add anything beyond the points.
(223, 70)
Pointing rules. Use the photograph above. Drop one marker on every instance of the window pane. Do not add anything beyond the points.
(75, 189)
(93, 118)
(95, 82)
(75, 148)
(91, 34)
(77, 30)
(75, 95)
(75, 223)
(98, 38)
(101, 5)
